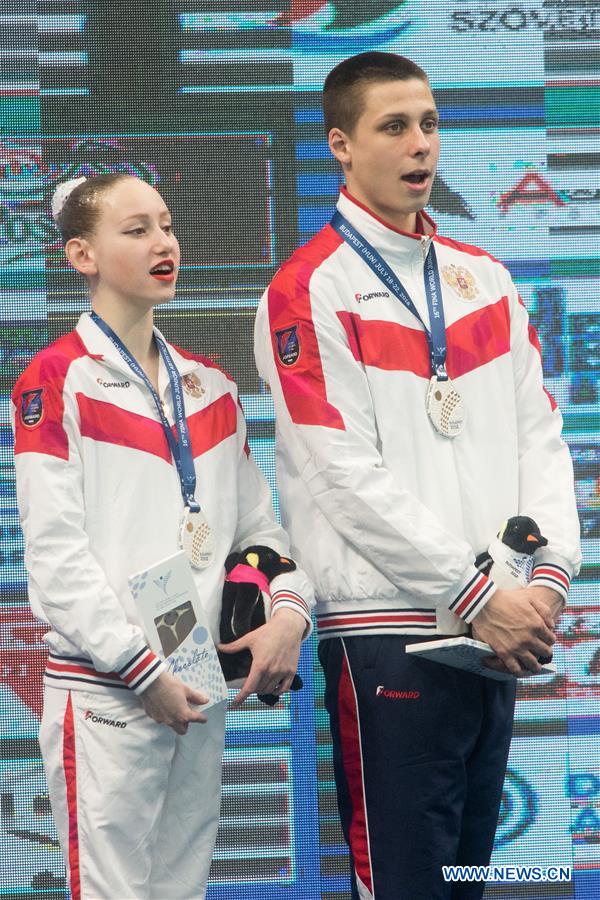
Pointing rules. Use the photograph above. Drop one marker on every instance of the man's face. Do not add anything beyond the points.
(390, 158)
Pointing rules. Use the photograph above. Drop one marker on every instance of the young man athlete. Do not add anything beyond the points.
(411, 421)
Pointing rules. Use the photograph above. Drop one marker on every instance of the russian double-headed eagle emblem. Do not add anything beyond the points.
(192, 385)
(461, 281)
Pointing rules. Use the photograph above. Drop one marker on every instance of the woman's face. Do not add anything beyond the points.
(133, 252)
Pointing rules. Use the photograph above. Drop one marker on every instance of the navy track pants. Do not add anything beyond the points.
(420, 752)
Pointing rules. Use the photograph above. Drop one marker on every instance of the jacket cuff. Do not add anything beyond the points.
(285, 598)
(141, 670)
(549, 574)
(473, 593)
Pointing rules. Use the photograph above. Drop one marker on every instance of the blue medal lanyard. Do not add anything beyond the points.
(181, 449)
(436, 337)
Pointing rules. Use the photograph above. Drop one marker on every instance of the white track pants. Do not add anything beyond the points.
(136, 806)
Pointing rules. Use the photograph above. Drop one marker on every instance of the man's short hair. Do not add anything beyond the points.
(343, 90)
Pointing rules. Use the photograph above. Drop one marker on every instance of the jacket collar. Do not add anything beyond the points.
(399, 247)
(100, 347)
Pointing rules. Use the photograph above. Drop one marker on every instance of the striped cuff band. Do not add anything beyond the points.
(472, 597)
(552, 576)
(142, 670)
(291, 600)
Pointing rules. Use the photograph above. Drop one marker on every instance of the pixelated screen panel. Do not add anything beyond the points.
(218, 105)
(226, 177)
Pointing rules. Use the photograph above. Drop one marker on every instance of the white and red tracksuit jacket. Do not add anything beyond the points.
(100, 499)
(385, 514)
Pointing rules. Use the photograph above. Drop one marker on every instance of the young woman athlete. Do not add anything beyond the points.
(118, 437)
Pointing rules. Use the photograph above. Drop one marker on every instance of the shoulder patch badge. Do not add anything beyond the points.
(32, 408)
(461, 281)
(288, 345)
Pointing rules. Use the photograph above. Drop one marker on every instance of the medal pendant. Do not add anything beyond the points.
(445, 407)
(196, 538)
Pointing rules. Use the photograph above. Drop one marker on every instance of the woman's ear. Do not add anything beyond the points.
(80, 254)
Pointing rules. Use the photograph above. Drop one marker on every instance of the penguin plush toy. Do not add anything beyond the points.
(245, 599)
(509, 559)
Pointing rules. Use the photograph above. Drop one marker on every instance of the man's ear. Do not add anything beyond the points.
(80, 254)
(339, 144)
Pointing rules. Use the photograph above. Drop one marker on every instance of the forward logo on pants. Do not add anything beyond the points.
(101, 720)
(389, 694)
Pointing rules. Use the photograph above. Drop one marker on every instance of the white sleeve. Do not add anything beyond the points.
(545, 468)
(257, 525)
(66, 583)
(335, 448)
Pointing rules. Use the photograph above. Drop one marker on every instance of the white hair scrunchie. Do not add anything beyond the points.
(62, 193)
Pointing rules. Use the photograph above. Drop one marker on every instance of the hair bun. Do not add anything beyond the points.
(62, 193)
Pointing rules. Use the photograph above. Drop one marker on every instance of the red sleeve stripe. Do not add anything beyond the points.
(476, 339)
(289, 304)
(47, 371)
(137, 670)
(471, 598)
(552, 576)
(289, 598)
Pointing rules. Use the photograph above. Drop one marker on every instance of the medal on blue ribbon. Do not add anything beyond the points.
(195, 535)
(443, 403)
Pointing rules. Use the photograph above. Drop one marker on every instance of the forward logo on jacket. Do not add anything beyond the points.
(374, 295)
(113, 384)
(461, 281)
(32, 408)
(288, 345)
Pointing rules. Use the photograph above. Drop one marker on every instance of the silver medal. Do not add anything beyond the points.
(445, 407)
(197, 539)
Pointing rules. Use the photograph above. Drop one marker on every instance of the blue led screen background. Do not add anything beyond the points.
(218, 105)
